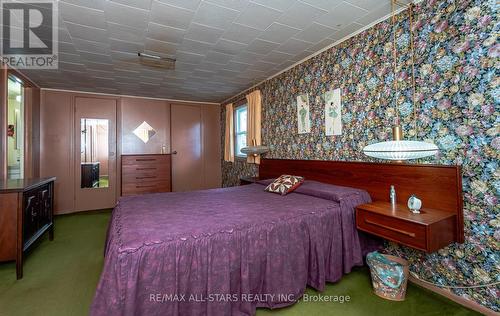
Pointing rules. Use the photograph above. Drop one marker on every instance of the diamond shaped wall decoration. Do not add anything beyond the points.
(145, 132)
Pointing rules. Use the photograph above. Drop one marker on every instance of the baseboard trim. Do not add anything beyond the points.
(457, 299)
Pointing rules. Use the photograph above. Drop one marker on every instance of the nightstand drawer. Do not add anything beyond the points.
(401, 231)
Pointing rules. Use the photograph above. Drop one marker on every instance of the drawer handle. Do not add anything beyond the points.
(145, 159)
(144, 186)
(150, 168)
(150, 177)
(404, 232)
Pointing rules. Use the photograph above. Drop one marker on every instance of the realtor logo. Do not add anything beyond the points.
(29, 34)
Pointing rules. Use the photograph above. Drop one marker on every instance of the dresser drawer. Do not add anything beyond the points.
(145, 186)
(161, 170)
(145, 174)
(143, 160)
(401, 231)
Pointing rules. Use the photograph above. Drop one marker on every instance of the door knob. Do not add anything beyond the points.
(174, 152)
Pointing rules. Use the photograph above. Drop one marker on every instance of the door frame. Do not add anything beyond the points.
(75, 157)
(5, 72)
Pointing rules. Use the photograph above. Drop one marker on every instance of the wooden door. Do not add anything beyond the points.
(187, 164)
(95, 144)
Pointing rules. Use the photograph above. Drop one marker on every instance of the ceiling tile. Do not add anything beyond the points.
(231, 4)
(278, 33)
(300, 15)
(189, 57)
(94, 4)
(280, 5)
(195, 46)
(203, 33)
(229, 47)
(125, 15)
(165, 33)
(87, 32)
(159, 47)
(184, 4)
(323, 4)
(276, 57)
(90, 46)
(214, 15)
(322, 44)
(266, 16)
(82, 15)
(125, 33)
(141, 4)
(241, 33)
(170, 16)
(98, 58)
(235, 66)
(261, 47)
(315, 33)
(293, 46)
(341, 15)
(349, 29)
(375, 14)
(124, 46)
(218, 58)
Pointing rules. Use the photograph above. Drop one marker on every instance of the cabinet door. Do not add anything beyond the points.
(45, 206)
(31, 214)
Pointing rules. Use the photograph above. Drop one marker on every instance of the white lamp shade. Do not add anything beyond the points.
(255, 150)
(401, 150)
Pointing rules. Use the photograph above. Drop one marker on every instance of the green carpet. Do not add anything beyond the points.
(60, 279)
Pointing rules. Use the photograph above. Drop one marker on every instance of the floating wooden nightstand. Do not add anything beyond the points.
(429, 231)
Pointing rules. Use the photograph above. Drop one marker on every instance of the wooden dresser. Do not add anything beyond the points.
(148, 173)
(26, 212)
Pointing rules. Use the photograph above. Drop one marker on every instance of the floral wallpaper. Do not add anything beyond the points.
(458, 93)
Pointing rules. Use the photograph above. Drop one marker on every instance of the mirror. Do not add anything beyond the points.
(15, 129)
(145, 132)
(94, 155)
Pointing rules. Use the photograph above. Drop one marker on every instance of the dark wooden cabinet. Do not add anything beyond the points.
(429, 231)
(26, 213)
(146, 174)
(90, 174)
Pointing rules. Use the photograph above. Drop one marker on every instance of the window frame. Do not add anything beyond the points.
(238, 106)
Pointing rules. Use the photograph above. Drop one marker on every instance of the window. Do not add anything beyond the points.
(240, 130)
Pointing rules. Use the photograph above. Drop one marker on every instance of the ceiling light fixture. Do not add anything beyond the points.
(156, 61)
(399, 149)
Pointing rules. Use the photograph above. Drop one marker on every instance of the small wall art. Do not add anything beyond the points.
(303, 117)
(333, 112)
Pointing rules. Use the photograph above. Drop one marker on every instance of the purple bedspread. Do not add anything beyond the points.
(226, 251)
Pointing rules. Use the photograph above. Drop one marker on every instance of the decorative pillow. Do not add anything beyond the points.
(285, 184)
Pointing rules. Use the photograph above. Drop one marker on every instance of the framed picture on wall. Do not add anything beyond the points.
(303, 116)
(333, 112)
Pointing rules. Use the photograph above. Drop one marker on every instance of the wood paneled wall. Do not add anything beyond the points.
(156, 113)
(57, 134)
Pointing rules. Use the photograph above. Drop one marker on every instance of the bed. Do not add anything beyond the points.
(227, 251)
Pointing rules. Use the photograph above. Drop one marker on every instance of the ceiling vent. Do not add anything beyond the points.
(156, 61)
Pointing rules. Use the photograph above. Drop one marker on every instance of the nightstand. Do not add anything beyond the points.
(248, 180)
(429, 231)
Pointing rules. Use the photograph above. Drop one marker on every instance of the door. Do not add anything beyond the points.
(187, 164)
(95, 153)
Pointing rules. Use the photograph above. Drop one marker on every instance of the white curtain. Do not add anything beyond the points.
(254, 100)
(229, 135)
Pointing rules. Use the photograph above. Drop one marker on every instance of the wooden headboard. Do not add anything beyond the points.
(439, 187)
